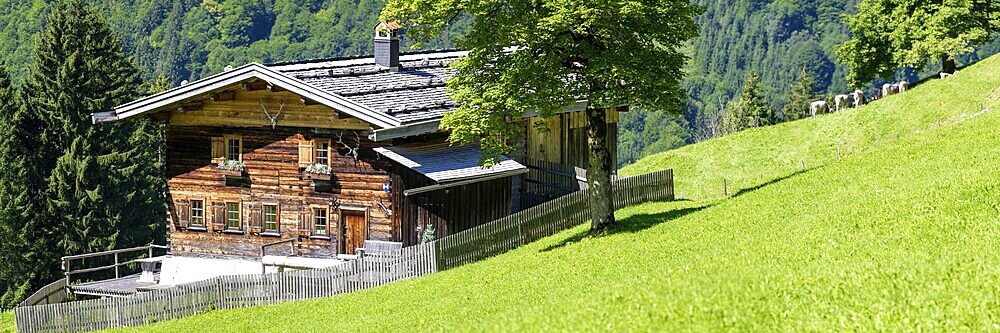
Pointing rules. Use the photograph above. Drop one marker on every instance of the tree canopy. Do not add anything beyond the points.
(543, 56)
(888, 34)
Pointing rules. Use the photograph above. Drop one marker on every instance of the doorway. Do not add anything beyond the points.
(354, 230)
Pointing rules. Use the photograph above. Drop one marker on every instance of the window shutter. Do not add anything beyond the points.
(218, 149)
(256, 220)
(306, 153)
(181, 207)
(305, 222)
(218, 216)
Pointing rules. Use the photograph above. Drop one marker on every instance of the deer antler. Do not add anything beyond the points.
(273, 119)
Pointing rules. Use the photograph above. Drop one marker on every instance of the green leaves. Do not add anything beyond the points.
(888, 34)
(542, 56)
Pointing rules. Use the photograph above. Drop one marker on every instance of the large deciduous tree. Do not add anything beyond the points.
(543, 55)
(888, 34)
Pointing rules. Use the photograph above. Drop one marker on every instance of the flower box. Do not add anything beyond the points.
(317, 172)
(231, 168)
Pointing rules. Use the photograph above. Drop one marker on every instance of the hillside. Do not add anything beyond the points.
(896, 235)
(756, 156)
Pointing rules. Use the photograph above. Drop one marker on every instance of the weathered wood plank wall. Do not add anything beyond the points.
(274, 177)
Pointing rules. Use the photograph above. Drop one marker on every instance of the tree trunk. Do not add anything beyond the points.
(602, 212)
(948, 65)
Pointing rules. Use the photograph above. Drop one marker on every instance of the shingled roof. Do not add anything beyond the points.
(413, 93)
(397, 102)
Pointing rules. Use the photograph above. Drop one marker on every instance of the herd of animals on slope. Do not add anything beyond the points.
(857, 97)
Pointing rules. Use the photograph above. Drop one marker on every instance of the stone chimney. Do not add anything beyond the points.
(387, 45)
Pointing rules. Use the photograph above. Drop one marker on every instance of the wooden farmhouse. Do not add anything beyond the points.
(336, 151)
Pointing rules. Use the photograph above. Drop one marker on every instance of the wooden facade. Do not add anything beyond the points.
(445, 211)
(243, 170)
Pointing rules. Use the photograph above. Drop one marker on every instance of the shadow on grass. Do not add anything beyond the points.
(772, 181)
(632, 224)
(640, 222)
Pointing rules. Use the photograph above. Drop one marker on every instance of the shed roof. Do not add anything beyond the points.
(449, 166)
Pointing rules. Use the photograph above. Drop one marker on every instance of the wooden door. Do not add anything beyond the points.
(355, 231)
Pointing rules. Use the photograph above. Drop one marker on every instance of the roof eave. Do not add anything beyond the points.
(240, 74)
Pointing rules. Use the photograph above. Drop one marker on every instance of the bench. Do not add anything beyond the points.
(375, 248)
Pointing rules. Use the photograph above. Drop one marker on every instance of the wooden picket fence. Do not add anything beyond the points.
(546, 219)
(239, 291)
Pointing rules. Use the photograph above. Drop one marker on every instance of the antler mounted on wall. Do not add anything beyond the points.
(273, 119)
(351, 151)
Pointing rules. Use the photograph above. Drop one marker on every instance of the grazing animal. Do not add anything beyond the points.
(888, 89)
(945, 75)
(818, 106)
(901, 86)
(859, 97)
(878, 94)
(840, 99)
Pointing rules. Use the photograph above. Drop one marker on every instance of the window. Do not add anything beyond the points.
(233, 149)
(233, 216)
(271, 218)
(319, 221)
(198, 213)
(323, 152)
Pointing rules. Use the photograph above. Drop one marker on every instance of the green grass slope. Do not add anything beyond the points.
(898, 235)
(7, 323)
(756, 156)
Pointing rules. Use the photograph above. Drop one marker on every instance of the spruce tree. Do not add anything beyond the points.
(803, 93)
(84, 187)
(749, 109)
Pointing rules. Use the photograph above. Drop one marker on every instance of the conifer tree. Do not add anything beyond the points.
(83, 187)
(803, 93)
(749, 110)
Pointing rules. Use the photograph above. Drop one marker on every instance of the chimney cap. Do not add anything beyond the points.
(387, 29)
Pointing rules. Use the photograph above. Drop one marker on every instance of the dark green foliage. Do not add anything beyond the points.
(609, 53)
(642, 133)
(803, 93)
(77, 187)
(748, 110)
(890, 34)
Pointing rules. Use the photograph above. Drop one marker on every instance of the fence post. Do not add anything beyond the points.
(117, 275)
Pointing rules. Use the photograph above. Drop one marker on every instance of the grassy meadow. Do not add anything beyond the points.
(896, 235)
(757, 156)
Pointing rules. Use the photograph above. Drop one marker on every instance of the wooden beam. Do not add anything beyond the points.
(254, 85)
(223, 96)
(306, 101)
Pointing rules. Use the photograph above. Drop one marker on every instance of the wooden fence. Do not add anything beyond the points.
(238, 291)
(54, 292)
(546, 219)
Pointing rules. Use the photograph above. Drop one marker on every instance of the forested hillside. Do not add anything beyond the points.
(190, 39)
(776, 38)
